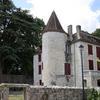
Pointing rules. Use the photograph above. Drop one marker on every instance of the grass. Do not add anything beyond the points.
(16, 97)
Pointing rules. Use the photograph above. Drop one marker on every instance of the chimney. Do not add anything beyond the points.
(70, 32)
(78, 28)
(78, 31)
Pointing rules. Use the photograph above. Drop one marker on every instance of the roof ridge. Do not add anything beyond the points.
(91, 35)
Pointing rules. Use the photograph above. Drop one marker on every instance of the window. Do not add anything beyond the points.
(39, 57)
(67, 69)
(85, 83)
(42, 65)
(98, 82)
(98, 65)
(40, 82)
(90, 51)
(39, 69)
(91, 65)
(98, 52)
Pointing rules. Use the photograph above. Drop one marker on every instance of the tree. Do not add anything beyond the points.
(8, 59)
(96, 33)
(19, 38)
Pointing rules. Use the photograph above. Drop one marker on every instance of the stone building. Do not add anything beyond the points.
(59, 63)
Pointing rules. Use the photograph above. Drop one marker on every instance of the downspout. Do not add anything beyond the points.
(74, 66)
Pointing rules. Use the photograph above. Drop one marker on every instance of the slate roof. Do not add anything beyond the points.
(86, 37)
(53, 24)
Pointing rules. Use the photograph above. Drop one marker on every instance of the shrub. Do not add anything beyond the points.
(93, 94)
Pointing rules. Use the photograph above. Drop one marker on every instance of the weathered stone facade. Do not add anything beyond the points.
(44, 93)
(61, 63)
(53, 57)
(50, 93)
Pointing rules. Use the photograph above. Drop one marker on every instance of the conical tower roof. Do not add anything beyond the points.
(53, 24)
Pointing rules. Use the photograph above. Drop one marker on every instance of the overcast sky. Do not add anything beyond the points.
(76, 12)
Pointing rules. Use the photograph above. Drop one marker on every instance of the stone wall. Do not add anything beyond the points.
(45, 93)
(4, 92)
(37, 76)
(53, 93)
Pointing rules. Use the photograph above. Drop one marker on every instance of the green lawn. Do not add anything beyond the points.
(16, 97)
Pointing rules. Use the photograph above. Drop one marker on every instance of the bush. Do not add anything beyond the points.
(93, 94)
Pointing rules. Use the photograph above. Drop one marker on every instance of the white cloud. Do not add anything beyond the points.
(75, 12)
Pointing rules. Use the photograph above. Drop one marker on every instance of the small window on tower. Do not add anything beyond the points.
(40, 82)
(42, 65)
(67, 69)
(90, 51)
(98, 65)
(39, 57)
(39, 69)
(91, 65)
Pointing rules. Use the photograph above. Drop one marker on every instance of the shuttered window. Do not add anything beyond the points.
(98, 65)
(90, 51)
(98, 52)
(91, 65)
(67, 69)
(98, 83)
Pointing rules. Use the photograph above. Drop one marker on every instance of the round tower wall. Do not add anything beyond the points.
(53, 56)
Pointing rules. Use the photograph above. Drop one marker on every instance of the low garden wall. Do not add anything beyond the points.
(46, 93)
(4, 93)
(53, 93)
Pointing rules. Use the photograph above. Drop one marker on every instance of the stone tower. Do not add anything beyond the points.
(53, 52)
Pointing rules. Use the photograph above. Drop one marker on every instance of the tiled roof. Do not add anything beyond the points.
(86, 37)
(53, 24)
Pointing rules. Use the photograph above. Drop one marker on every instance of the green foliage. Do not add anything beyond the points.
(93, 95)
(8, 58)
(96, 33)
(19, 38)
